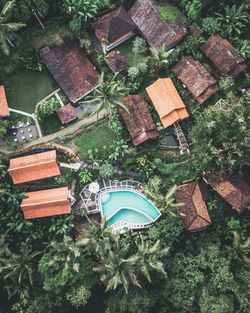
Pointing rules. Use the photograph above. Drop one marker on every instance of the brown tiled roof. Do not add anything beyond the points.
(33, 167)
(197, 79)
(157, 31)
(72, 70)
(167, 101)
(4, 109)
(115, 61)
(66, 113)
(195, 30)
(114, 25)
(139, 122)
(45, 203)
(194, 212)
(223, 55)
(232, 188)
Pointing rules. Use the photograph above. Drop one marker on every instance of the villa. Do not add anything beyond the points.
(33, 167)
(116, 61)
(223, 56)
(114, 28)
(231, 188)
(45, 203)
(153, 27)
(139, 121)
(4, 109)
(194, 211)
(196, 78)
(72, 70)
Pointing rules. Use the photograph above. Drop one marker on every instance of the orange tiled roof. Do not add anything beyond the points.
(34, 167)
(45, 203)
(167, 101)
(4, 110)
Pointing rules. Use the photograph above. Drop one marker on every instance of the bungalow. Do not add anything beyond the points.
(223, 56)
(66, 113)
(115, 61)
(194, 212)
(33, 167)
(198, 80)
(153, 27)
(46, 203)
(139, 122)
(71, 69)
(114, 28)
(167, 101)
(4, 109)
(231, 188)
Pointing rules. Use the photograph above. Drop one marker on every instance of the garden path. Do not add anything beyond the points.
(73, 166)
(21, 112)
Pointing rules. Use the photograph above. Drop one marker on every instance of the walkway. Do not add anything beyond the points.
(21, 112)
(73, 166)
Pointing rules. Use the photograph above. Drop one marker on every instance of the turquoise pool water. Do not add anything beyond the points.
(127, 206)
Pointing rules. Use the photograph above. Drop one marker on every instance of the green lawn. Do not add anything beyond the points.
(51, 124)
(25, 89)
(95, 138)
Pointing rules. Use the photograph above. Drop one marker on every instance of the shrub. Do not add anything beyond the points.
(78, 296)
(133, 72)
(106, 170)
(211, 25)
(47, 107)
(226, 82)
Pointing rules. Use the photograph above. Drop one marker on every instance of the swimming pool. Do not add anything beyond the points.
(129, 207)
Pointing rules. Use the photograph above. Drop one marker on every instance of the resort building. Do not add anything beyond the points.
(153, 27)
(72, 70)
(194, 211)
(223, 56)
(66, 113)
(139, 121)
(167, 101)
(46, 203)
(4, 109)
(114, 28)
(116, 61)
(196, 78)
(231, 188)
(33, 167)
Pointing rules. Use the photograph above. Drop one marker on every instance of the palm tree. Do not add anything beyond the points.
(148, 257)
(17, 269)
(164, 202)
(108, 94)
(239, 251)
(160, 57)
(7, 30)
(116, 270)
(99, 235)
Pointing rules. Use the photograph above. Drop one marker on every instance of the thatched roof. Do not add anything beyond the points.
(66, 113)
(197, 79)
(115, 61)
(223, 55)
(157, 31)
(114, 25)
(231, 188)
(72, 70)
(167, 101)
(139, 122)
(194, 212)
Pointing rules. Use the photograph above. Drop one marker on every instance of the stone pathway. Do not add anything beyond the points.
(74, 166)
(59, 99)
(21, 112)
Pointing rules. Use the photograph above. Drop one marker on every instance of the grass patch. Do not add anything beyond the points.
(95, 138)
(25, 89)
(50, 124)
(171, 13)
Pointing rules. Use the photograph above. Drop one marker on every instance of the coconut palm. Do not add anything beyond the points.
(116, 269)
(99, 235)
(160, 57)
(7, 29)
(17, 269)
(148, 257)
(164, 202)
(108, 94)
(239, 251)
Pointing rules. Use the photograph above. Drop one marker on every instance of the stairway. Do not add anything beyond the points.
(183, 145)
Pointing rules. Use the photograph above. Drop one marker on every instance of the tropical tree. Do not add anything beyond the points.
(148, 257)
(99, 235)
(106, 170)
(239, 251)
(17, 269)
(116, 269)
(160, 57)
(163, 201)
(108, 94)
(85, 176)
(7, 29)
